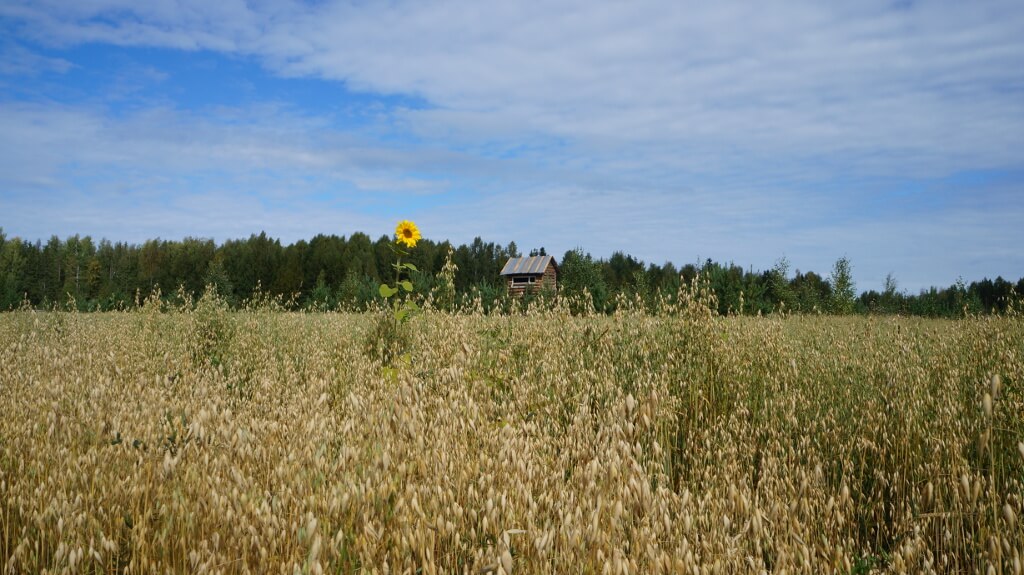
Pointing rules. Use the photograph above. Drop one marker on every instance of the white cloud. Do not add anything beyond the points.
(727, 127)
(15, 59)
(927, 89)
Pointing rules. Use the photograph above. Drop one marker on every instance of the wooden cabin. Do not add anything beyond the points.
(533, 273)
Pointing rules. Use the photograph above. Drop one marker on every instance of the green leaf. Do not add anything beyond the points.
(401, 314)
(411, 305)
(411, 267)
(407, 285)
(387, 291)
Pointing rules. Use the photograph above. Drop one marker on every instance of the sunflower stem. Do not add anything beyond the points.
(398, 278)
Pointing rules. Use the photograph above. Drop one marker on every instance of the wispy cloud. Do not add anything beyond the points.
(927, 85)
(17, 60)
(738, 130)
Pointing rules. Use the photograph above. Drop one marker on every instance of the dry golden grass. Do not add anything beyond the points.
(209, 441)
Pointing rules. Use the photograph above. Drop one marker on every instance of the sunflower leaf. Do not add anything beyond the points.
(387, 291)
(407, 285)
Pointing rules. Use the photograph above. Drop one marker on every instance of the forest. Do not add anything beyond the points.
(332, 272)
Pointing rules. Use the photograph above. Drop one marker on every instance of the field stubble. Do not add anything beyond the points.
(255, 441)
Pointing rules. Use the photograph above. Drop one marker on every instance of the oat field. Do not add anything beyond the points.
(205, 440)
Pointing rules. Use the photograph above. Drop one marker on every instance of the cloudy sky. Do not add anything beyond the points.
(888, 132)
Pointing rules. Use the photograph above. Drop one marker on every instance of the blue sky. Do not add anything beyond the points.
(891, 133)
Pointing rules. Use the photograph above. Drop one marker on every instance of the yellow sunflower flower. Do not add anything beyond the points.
(407, 233)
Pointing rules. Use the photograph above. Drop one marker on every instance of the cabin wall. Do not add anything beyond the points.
(549, 279)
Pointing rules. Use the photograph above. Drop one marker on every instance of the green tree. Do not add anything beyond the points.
(890, 300)
(778, 284)
(187, 261)
(843, 292)
(288, 276)
(217, 277)
(326, 256)
(12, 269)
(359, 258)
(620, 272)
(320, 297)
(53, 274)
(812, 292)
(354, 293)
(93, 278)
(513, 250)
(152, 261)
(579, 273)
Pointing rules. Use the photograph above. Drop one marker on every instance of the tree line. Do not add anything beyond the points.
(339, 272)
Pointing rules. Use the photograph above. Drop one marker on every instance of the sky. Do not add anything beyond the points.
(890, 133)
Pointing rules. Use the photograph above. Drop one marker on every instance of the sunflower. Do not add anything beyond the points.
(407, 233)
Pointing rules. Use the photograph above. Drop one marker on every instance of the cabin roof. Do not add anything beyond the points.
(529, 265)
